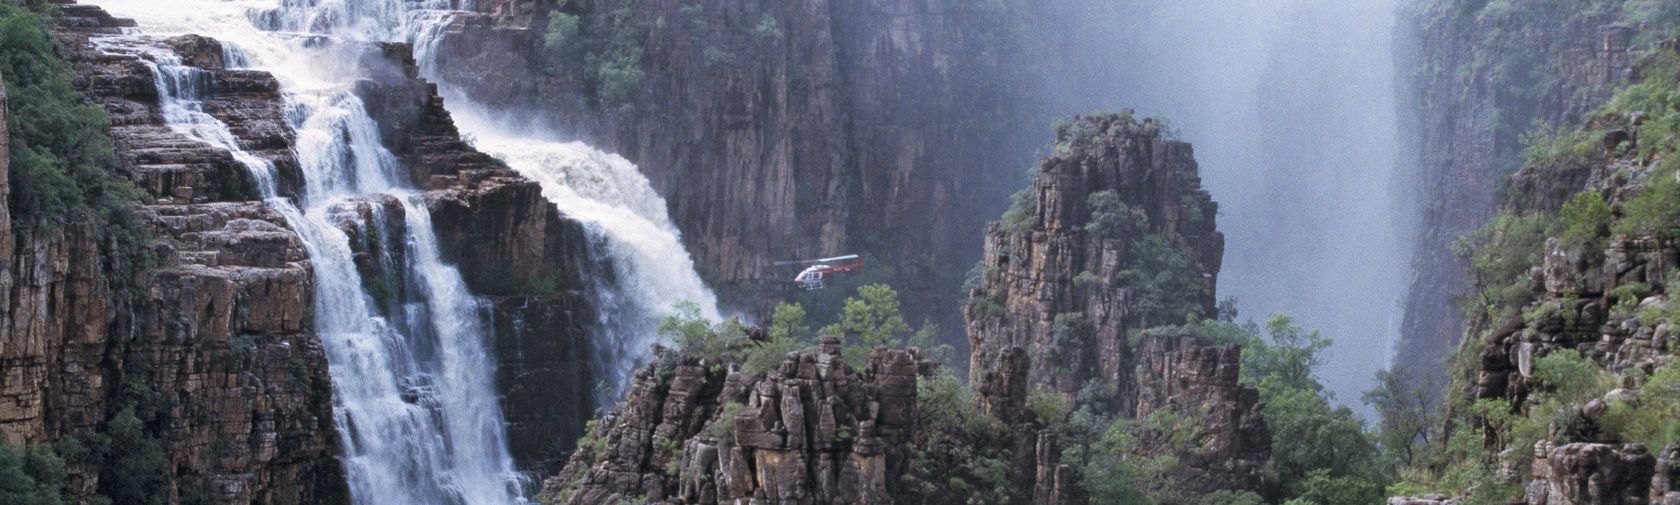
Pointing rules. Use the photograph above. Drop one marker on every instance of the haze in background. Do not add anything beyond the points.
(1291, 107)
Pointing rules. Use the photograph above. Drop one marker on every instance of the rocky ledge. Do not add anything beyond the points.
(698, 432)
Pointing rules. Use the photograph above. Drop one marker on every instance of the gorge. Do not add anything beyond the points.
(536, 251)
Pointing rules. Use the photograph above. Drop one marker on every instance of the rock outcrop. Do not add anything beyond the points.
(1114, 236)
(700, 432)
(1064, 288)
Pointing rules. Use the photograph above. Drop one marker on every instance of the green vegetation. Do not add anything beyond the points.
(63, 166)
(562, 30)
(1021, 216)
(1166, 283)
(961, 455)
(1112, 218)
(31, 476)
(1500, 255)
(870, 319)
(64, 169)
(1586, 221)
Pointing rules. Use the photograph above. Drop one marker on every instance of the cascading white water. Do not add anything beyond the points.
(611, 197)
(414, 398)
(652, 272)
(608, 194)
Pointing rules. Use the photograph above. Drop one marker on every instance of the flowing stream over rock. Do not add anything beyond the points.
(414, 402)
(652, 272)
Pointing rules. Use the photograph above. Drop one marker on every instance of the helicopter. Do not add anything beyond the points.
(816, 276)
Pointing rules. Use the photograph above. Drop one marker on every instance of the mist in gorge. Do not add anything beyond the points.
(1291, 106)
(839, 252)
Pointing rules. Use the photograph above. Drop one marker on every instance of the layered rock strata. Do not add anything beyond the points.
(812, 431)
(215, 316)
(1479, 82)
(1069, 282)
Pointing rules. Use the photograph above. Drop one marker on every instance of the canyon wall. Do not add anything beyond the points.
(778, 130)
(199, 337)
(1481, 75)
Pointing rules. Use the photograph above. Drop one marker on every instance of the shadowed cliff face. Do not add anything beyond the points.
(780, 130)
(1481, 81)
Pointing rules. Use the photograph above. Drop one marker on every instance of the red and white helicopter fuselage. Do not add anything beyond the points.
(817, 275)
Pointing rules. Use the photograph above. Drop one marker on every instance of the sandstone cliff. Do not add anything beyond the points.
(1482, 76)
(206, 331)
(702, 432)
(778, 130)
(1114, 236)
(1576, 342)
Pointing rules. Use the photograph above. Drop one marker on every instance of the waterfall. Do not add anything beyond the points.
(653, 272)
(414, 398)
(617, 205)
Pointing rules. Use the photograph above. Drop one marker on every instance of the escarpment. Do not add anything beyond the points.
(198, 341)
(201, 335)
(1485, 75)
(1567, 373)
(777, 130)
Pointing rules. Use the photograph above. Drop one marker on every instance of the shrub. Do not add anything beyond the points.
(31, 476)
(1167, 287)
(1655, 211)
(1585, 220)
(1049, 408)
(1111, 217)
(1569, 377)
(1023, 207)
(1500, 255)
(1650, 420)
(64, 167)
(694, 334)
(1069, 333)
(562, 30)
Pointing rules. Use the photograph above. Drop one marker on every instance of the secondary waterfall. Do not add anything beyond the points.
(414, 398)
(652, 271)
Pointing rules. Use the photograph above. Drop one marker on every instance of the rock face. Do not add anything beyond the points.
(812, 431)
(1591, 297)
(214, 317)
(1063, 292)
(1186, 376)
(779, 130)
(1075, 271)
(1470, 110)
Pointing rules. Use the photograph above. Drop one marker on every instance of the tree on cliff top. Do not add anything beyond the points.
(63, 166)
